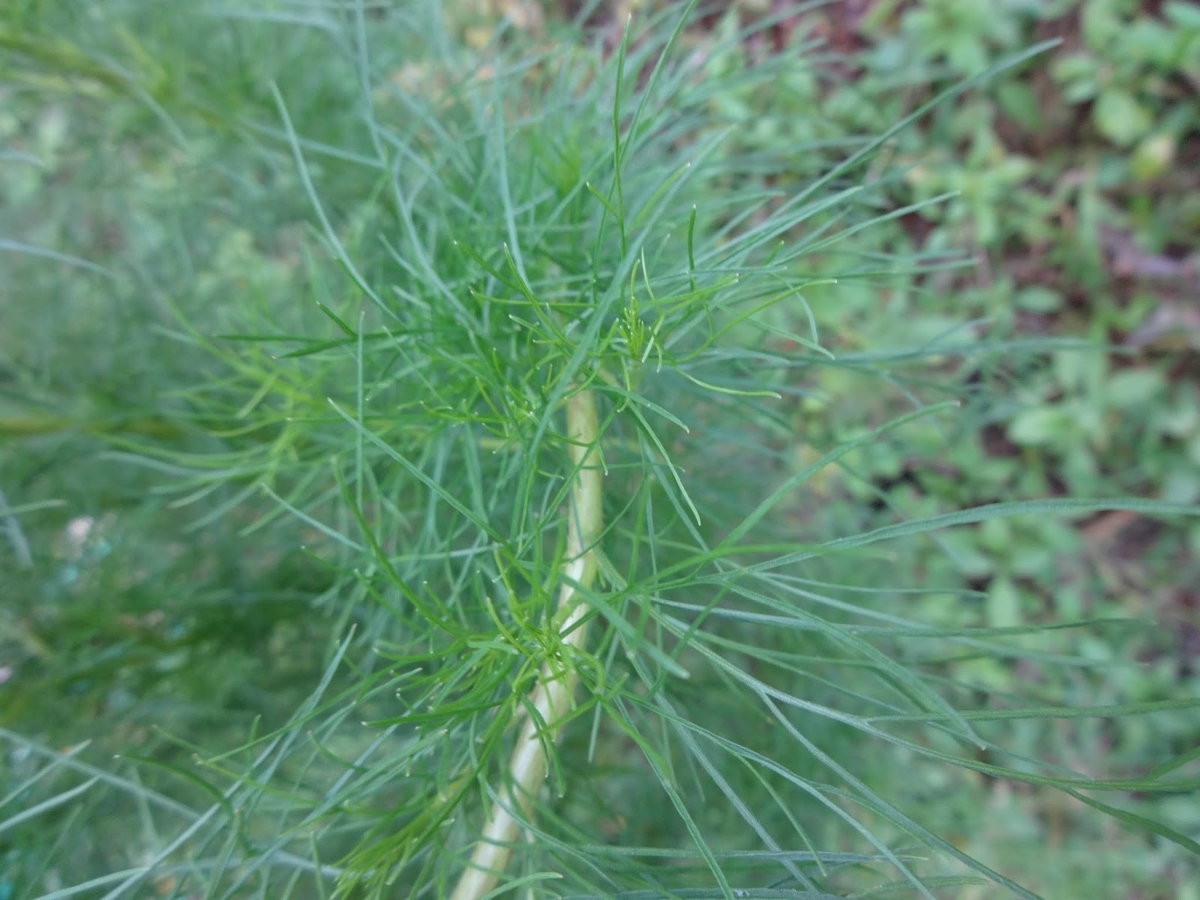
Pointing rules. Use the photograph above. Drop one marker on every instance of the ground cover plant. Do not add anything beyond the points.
(438, 457)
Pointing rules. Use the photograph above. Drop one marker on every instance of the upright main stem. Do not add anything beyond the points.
(555, 690)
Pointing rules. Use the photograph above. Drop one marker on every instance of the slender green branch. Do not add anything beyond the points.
(16, 536)
(555, 690)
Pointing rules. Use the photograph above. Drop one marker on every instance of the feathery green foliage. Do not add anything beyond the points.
(528, 409)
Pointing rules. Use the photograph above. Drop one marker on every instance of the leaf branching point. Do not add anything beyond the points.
(553, 695)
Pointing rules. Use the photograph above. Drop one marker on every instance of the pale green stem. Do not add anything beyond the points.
(554, 693)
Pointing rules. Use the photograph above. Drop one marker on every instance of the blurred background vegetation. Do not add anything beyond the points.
(142, 138)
